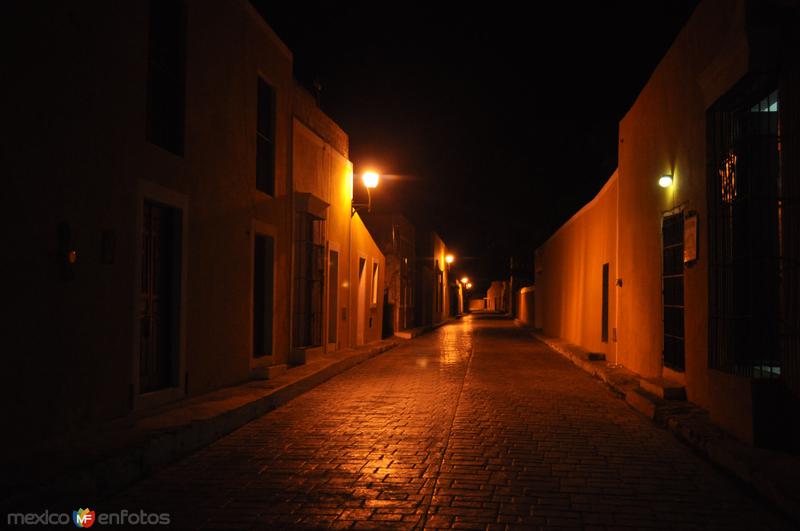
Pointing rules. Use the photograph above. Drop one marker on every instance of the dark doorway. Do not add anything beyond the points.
(309, 281)
(263, 294)
(333, 296)
(672, 286)
(160, 291)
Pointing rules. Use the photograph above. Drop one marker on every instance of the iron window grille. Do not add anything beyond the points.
(753, 224)
(672, 291)
(309, 281)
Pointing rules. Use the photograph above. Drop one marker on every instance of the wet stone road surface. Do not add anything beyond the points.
(473, 426)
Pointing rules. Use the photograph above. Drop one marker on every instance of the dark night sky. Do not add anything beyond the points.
(503, 121)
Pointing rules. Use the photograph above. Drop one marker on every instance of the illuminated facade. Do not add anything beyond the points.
(339, 268)
(697, 283)
(175, 228)
(432, 278)
(498, 296)
(395, 235)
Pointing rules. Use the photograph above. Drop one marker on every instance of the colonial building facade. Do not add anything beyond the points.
(696, 281)
(339, 269)
(432, 278)
(183, 218)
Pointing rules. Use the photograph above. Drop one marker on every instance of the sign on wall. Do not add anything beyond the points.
(690, 238)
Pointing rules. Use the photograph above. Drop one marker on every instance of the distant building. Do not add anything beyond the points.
(338, 268)
(698, 282)
(182, 213)
(395, 236)
(432, 277)
(498, 296)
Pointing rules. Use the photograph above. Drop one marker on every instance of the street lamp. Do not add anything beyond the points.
(469, 285)
(370, 180)
(464, 280)
(449, 258)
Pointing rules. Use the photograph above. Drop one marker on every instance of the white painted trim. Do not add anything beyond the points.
(374, 288)
(361, 319)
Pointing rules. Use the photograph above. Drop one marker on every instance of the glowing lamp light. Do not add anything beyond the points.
(469, 285)
(464, 280)
(449, 258)
(665, 181)
(370, 179)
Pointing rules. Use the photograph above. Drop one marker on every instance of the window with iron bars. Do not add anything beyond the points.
(753, 228)
(309, 280)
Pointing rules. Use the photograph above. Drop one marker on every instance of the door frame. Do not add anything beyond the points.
(149, 191)
(678, 211)
(330, 286)
(362, 304)
(264, 229)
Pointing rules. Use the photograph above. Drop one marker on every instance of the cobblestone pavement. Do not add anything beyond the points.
(473, 426)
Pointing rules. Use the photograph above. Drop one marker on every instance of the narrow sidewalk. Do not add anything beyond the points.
(773, 475)
(109, 457)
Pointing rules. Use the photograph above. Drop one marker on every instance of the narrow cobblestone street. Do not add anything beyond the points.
(473, 426)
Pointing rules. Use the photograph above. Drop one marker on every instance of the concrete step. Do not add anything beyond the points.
(410, 333)
(642, 401)
(663, 388)
(267, 372)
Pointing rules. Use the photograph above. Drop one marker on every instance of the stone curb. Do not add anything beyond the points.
(411, 333)
(115, 467)
(772, 475)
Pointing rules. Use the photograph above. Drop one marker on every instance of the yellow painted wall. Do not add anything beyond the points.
(322, 169)
(363, 246)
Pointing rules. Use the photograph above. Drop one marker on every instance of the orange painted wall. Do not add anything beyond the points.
(664, 132)
(526, 303)
(569, 271)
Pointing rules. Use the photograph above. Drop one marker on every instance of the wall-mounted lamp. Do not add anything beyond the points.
(665, 181)
(469, 285)
(449, 258)
(464, 280)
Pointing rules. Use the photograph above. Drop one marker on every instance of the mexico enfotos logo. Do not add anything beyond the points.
(84, 518)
